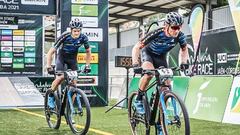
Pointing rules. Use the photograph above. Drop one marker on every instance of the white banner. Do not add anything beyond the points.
(34, 2)
(232, 112)
(93, 34)
(85, 1)
(88, 21)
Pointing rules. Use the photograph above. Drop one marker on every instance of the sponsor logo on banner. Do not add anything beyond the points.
(88, 21)
(30, 38)
(85, 1)
(8, 26)
(93, 34)
(6, 43)
(18, 65)
(18, 60)
(18, 43)
(6, 60)
(81, 58)
(18, 37)
(30, 43)
(29, 54)
(235, 107)
(29, 60)
(6, 66)
(85, 10)
(30, 32)
(6, 32)
(222, 58)
(34, 2)
(18, 32)
(93, 45)
(87, 81)
(7, 54)
(29, 65)
(29, 49)
(18, 49)
(6, 49)
(6, 38)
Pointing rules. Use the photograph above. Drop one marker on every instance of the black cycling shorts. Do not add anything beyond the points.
(64, 62)
(156, 60)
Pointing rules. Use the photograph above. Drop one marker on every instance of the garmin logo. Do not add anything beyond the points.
(9, 1)
(93, 34)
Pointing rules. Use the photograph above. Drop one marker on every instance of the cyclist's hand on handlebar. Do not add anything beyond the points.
(184, 66)
(87, 69)
(50, 70)
(137, 69)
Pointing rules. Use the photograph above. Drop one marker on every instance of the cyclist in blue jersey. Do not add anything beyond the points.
(66, 49)
(154, 48)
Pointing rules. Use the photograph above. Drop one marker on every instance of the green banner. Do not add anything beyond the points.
(85, 10)
(18, 65)
(207, 97)
(17, 60)
(6, 54)
(93, 45)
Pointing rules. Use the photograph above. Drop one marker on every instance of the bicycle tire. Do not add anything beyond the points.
(174, 124)
(136, 119)
(76, 127)
(53, 121)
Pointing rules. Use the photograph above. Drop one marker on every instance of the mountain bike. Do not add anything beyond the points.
(70, 102)
(165, 110)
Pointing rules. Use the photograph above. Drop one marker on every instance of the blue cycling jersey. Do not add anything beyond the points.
(161, 44)
(70, 45)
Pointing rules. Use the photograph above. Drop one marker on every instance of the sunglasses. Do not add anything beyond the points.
(175, 27)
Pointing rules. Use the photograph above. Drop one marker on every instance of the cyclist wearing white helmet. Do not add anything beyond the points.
(66, 48)
(154, 48)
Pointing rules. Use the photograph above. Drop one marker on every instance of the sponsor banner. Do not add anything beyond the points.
(6, 38)
(93, 34)
(6, 66)
(18, 60)
(18, 65)
(87, 81)
(30, 60)
(29, 49)
(30, 65)
(88, 21)
(18, 49)
(6, 43)
(85, 1)
(180, 86)
(6, 54)
(28, 43)
(6, 32)
(85, 10)
(18, 43)
(30, 38)
(18, 54)
(6, 60)
(6, 49)
(34, 2)
(207, 97)
(18, 32)
(81, 58)
(29, 54)
(232, 112)
(94, 69)
(93, 45)
(18, 38)
(9, 20)
(30, 32)
(225, 63)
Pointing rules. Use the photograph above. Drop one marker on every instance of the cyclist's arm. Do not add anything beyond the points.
(136, 52)
(184, 54)
(50, 53)
(88, 51)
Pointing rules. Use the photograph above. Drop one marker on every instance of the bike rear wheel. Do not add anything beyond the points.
(78, 112)
(139, 122)
(52, 115)
(174, 120)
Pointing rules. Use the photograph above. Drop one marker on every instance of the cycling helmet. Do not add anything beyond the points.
(75, 24)
(173, 19)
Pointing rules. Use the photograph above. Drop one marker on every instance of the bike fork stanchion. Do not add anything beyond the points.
(126, 98)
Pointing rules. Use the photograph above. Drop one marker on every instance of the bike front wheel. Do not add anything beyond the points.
(78, 111)
(139, 122)
(52, 115)
(174, 119)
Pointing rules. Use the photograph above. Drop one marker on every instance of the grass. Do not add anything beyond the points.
(115, 122)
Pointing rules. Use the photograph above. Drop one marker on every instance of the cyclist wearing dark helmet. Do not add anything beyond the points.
(154, 48)
(66, 49)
